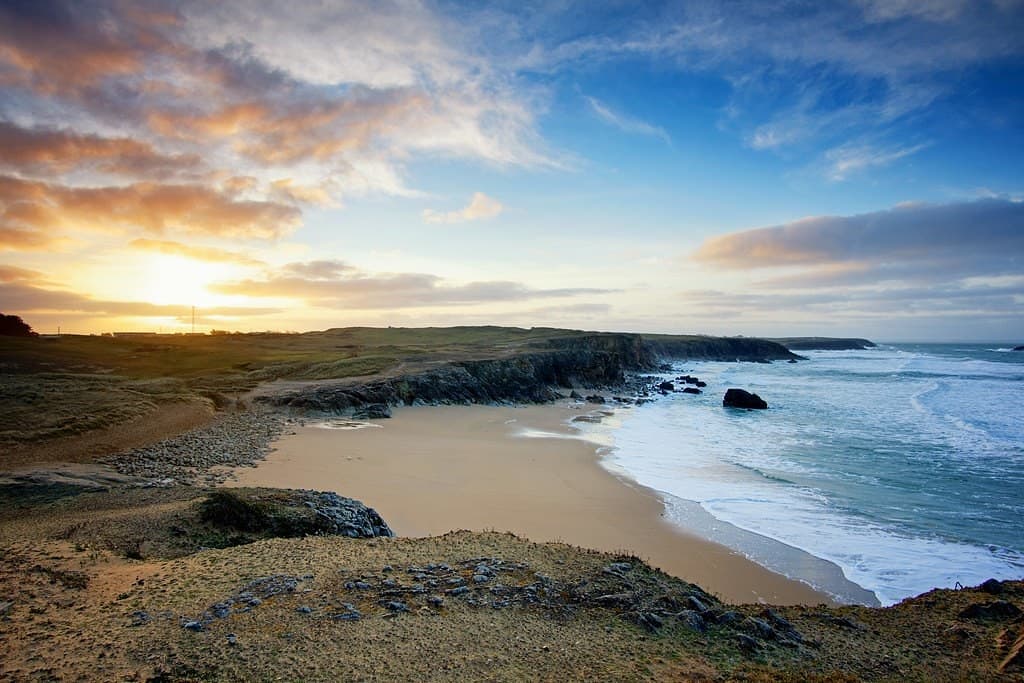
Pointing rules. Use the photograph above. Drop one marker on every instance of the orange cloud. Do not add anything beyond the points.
(198, 253)
(336, 284)
(39, 207)
(37, 150)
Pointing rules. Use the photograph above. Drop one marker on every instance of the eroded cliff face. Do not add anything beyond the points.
(533, 375)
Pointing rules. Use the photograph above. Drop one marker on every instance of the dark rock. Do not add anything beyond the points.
(667, 386)
(193, 626)
(738, 398)
(760, 629)
(222, 610)
(592, 419)
(140, 618)
(992, 587)
(304, 609)
(727, 618)
(353, 615)
(700, 384)
(481, 578)
(997, 610)
(386, 568)
(461, 590)
(232, 639)
(1019, 348)
(435, 601)
(619, 567)
(596, 398)
(574, 395)
(373, 411)
(691, 390)
(692, 620)
(650, 621)
(298, 513)
(396, 606)
(694, 603)
(746, 643)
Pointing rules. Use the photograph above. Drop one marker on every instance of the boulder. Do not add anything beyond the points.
(666, 386)
(1019, 348)
(692, 390)
(738, 398)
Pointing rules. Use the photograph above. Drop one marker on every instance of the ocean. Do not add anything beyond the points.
(901, 465)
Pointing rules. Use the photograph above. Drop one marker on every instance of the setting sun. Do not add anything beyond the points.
(177, 280)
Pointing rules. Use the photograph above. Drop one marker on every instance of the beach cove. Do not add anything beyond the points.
(430, 470)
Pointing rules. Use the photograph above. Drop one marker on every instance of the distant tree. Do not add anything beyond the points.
(14, 326)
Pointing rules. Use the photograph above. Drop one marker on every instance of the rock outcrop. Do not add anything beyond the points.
(825, 343)
(739, 398)
(283, 513)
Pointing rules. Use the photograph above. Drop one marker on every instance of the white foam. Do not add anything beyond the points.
(739, 466)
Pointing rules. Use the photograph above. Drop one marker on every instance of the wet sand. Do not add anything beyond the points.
(430, 470)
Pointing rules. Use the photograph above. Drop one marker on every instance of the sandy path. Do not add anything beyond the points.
(431, 470)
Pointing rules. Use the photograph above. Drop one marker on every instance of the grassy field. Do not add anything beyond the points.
(59, 387)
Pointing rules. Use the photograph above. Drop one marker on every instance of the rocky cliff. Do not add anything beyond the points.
(531, 375)
(825, 343)
(749, 349)
(527, 377)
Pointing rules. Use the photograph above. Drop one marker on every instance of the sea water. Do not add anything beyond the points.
(903, 464)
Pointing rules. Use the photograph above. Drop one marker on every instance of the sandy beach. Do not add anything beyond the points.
(430, 470)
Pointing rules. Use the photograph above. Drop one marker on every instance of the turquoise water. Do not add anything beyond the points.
(903, 465)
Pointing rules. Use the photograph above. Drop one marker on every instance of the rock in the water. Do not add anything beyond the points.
(596, 398)
(667, 386)
(738, 398)
(1019, 348)
(692, 390)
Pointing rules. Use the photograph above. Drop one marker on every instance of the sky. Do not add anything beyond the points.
(846, 168)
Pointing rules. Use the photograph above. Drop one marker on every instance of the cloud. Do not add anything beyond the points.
(799, 72)
(16, 274)
(288, 191)
(850, 159)
(337, 285)
(624, 122)
(40, 151)
(31, 212)
(22, 298)
(480, 207)
(980, 237)
(317, 270)
(944, 263)
(198, 253)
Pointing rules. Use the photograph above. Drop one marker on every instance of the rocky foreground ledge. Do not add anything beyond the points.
(173, 585)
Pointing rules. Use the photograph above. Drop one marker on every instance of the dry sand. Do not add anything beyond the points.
(430, 470)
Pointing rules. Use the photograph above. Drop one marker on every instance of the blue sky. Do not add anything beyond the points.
(846, 168)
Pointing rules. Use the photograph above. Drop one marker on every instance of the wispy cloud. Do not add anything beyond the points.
(199, 253)
(847, 160)
(338, 285)
(480, 207)
(624, 122)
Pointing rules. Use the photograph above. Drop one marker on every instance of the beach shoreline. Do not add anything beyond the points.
(434, 469)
